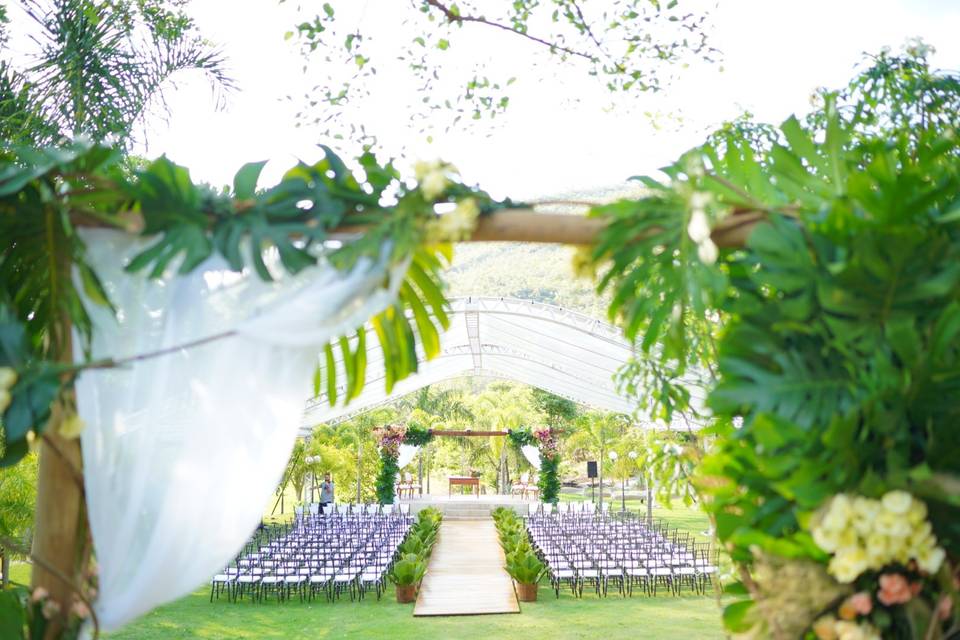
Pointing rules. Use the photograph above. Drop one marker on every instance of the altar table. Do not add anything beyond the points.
(464, 481)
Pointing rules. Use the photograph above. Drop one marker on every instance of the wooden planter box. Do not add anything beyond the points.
(406, 593)
(526, 592)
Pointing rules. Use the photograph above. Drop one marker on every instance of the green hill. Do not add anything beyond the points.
(542, 273)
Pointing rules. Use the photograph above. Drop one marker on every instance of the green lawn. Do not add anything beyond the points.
(688, 617)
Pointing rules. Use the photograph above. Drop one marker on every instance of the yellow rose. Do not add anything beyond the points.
(848, 563)
(5, 399)
(8, 378)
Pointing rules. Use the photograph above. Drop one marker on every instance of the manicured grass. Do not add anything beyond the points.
(688, 617)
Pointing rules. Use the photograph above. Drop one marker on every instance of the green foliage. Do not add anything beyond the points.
(18, 493)
(837, 365)
(417, 436)
(387, 479)
(557, 409)
(97, 67)
(549, 481)
(525, 567)
(627, 46)
(408, 570)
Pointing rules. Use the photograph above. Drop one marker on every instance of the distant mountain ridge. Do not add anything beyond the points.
(542, 273)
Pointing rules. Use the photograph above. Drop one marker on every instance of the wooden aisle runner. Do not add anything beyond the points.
(465, 576)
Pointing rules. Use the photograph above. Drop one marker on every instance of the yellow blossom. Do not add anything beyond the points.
(72, 426)
(456, 225)
(582, 262)
(8, 378)
(434, 184)
(5, 399)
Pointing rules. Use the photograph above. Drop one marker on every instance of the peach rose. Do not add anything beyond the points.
(894, 589)
(859, 604)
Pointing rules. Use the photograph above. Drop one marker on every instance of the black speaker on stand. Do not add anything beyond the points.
(592, 474)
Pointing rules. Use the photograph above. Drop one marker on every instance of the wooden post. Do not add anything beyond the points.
(60, 545)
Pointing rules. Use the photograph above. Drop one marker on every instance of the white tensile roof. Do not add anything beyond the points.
(561, 351)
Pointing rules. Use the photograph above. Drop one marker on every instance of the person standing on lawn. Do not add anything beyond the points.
(326, 492)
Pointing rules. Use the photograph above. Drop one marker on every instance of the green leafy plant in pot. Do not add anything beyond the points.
(406, 574)
(527, 570)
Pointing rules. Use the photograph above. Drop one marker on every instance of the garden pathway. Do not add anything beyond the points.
(465, 576)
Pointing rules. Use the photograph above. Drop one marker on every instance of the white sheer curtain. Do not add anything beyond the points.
(532, 454)
(406, 455)
(182, 452)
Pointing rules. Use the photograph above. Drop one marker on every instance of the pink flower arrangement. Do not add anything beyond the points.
(895, 589)
(548, 441)
(390, 437)
(859, 604)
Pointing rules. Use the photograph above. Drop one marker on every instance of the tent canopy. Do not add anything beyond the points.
(561, 351)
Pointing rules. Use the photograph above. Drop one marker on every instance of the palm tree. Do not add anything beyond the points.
(432, 409)
(96, 69)
(358, 432)
(596, 432)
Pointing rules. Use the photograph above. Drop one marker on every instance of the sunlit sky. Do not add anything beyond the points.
(775, 52)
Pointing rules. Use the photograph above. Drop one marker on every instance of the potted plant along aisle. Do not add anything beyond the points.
(526, 569)
(406, 575)
(409, 570)
(522, 563)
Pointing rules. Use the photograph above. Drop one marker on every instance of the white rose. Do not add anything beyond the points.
(897, 502)
(826, 539)
(707, 251)
(892, 524)
(865, 512)
(8, 378)
(917, 512)
(878, 550)
(699, 227)
(930, 560)
(839, 513)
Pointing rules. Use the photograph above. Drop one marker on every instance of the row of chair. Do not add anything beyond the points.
(318, 553)
(597, 550)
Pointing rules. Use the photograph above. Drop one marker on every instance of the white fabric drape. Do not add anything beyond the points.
(532, 454)
(182, 452)
(406, 455)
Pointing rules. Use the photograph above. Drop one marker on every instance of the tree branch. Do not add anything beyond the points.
(451, 16)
